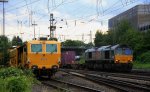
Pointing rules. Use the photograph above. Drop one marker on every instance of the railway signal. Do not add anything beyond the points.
(34, 28)
(52, 27)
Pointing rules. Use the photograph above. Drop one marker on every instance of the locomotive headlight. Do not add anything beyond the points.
(59, 61)
(54, 67)
(28, 61)
(34, 67)
(117, 61)
(129, 61)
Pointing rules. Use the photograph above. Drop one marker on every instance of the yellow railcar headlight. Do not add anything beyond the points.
(117, 61)
(129, 61)
(28, 61)
(59, 61)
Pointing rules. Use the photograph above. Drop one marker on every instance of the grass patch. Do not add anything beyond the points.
(140, 65)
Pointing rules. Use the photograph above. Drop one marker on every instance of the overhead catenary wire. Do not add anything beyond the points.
(22, 6)
(84, 17)
(90, 15)
(87, 16)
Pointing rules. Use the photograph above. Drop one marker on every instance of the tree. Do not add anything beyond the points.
(120, 30)
(14, 41)
(89, 45)
(146, 40)
(99, 39)
(73, 43)
(4, 46)
(17, 41)
(109, 38)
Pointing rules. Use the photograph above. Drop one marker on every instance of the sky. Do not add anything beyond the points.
(74, 19)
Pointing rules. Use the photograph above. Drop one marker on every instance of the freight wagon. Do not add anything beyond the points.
(68, 59)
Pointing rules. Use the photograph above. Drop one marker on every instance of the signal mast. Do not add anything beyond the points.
(52, 27)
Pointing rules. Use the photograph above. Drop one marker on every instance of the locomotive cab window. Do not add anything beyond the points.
(51, 48)
(119, 51)
(36, 47)
(107, 55)
(127, 51)
(124, 51)
(112, 54)
(90, 55)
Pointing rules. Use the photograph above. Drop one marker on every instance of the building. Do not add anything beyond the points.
(138, 17)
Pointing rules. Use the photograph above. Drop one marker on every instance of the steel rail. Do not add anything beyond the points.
(121, 75)
(55, 86)
(119, 84)
(71, 84)
(80, 86)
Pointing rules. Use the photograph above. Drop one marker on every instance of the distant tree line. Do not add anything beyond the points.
(76, 43)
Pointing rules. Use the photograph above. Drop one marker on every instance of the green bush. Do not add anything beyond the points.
(141, 65)
(18, 84)
(3, 86)
(28, 72)
(15, 80)
(145, 57)
(9, 72)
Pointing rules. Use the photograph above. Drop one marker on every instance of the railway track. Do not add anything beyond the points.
(141, 72)
(121, 75)
(116, 83)
(55, 86)
(62, 88)
(125, 75)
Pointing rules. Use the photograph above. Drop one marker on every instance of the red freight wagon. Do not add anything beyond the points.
(67, 58)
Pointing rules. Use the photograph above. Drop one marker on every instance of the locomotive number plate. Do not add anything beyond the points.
(43, 59)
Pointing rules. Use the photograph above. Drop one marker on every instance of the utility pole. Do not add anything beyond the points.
(52, 27)
(3, 15)
(91, 36)
(3, 33)
(83, 37)
(39, 32)
(21, 30)
(34, 28)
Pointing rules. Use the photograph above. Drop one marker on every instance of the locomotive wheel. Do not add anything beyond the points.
(95, 66)
(109, 67)
(112, 67)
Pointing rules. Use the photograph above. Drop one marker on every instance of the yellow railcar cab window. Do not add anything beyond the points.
(36, 47)
(51, 48)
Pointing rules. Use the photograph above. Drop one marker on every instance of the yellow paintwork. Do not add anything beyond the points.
(13, 57)
(123, 58)
(18, 57)
(43, 59)
(28, 58)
